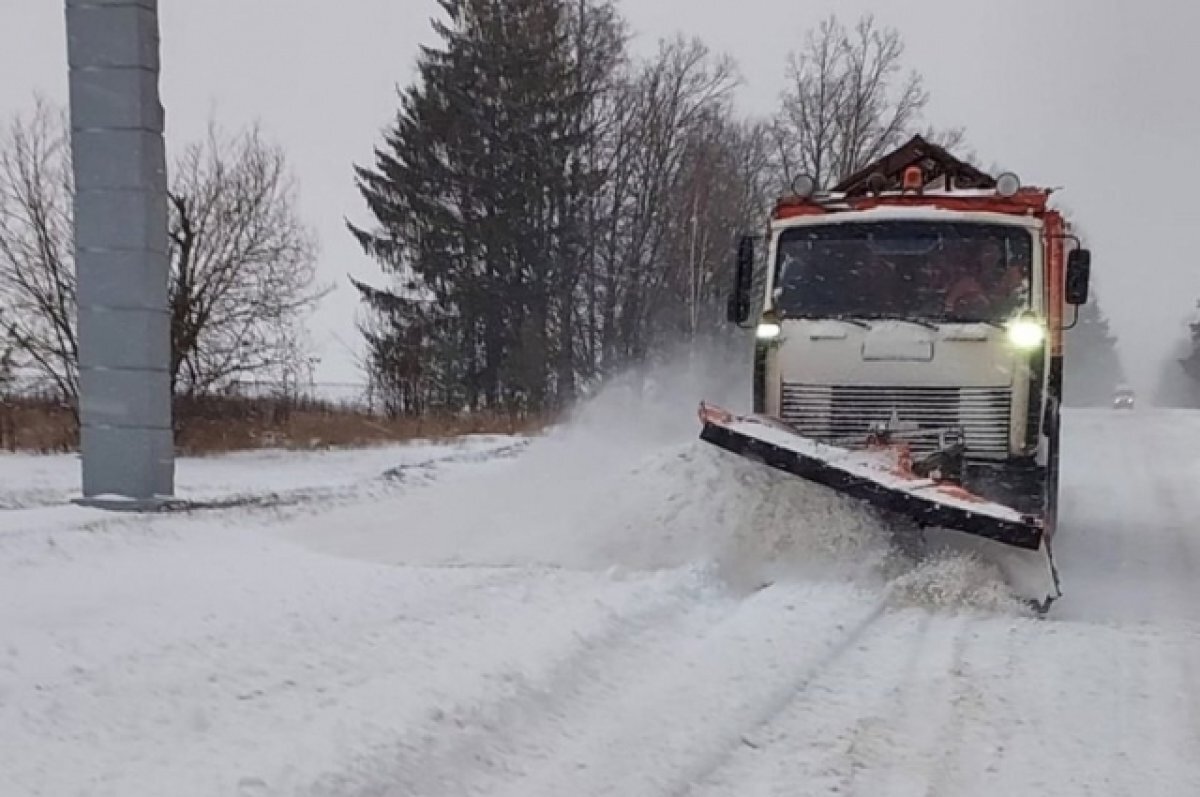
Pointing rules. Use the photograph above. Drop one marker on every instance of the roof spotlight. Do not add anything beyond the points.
(805, 185)
(1008, 184)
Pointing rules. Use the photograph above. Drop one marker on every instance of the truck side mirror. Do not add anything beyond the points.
(738, 310)
(1079, 271)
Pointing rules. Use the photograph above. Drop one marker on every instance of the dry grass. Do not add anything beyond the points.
(241, 425)
(37, 425)
(216, 425)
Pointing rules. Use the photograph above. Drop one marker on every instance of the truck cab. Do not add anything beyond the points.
(924, 297)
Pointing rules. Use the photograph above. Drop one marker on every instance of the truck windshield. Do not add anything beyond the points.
(930, 270)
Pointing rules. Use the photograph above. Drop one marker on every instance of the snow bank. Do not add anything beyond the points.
(954, 580)
(28, 481)
(634, 487)
(193, 657)
(625, 483)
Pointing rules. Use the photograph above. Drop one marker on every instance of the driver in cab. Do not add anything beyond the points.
(978, 292)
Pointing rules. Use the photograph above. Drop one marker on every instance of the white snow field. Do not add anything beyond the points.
(613, 609)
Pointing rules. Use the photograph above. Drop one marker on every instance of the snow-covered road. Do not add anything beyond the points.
(607, 611)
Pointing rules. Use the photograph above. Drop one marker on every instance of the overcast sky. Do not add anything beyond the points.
(1097, 96)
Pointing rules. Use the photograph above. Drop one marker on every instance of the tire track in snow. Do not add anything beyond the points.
(877, 723)
(1062, 718)
(447, 602)
(476, 741)
(783, 700)
(979, 706)
(1168, 674)
(980, 746)
(1059, 717)
(1177, 558)
(478, 643)
(679, 713)
(965, 708)
(925, 721)
(1180, 591)
(1168, 709)
(884, 698)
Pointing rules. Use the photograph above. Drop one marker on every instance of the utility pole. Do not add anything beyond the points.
(121, 255)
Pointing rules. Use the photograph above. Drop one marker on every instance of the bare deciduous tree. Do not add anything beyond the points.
(37, 264)
(603, 232)
(663, 109)
(848, 102)
(242, 261)
(8, 356)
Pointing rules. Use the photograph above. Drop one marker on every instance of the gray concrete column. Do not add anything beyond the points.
(121, 250)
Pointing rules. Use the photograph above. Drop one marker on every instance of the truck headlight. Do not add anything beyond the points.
(768, 331)
(1026, 333)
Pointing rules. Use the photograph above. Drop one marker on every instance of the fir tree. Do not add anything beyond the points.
(1092, 370)
(1179, 381)
(477, 194)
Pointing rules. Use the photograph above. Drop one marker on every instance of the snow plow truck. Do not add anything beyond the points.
(908, 350)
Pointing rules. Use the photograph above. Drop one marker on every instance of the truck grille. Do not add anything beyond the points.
(847, 412)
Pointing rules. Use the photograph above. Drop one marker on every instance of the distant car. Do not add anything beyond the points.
(1123, 400)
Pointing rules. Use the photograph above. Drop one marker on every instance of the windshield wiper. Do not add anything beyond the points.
(919, 322)
(987, 321)
(844, 319)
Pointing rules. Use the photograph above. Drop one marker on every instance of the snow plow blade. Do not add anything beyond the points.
(883, 476)
(878, 476)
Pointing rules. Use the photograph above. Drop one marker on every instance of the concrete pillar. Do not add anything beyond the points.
(121, 248)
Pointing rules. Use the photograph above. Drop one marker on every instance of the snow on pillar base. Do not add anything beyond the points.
(121, 245)
(147, 477)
